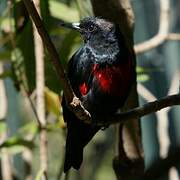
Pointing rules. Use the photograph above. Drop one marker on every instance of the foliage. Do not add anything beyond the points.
(19, 131)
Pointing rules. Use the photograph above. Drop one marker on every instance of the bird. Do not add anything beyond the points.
(101, 73)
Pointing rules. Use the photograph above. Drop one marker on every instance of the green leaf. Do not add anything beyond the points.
(29, 128)
(69, 41)
(66, 47)
(84, 7)
(139, 69)
(18, 70)
(39, 174)
(142, 78)
(52, 81)
(61, 11)
(13, 149)
(5, 74)
(5, 55)
(2, 127)
(52, 102)
(16, 144)
(17, 141)
(25, 43)
(45, 14)
(6, 23)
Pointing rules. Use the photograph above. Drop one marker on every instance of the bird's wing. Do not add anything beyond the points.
(79, 133)
(80, 74)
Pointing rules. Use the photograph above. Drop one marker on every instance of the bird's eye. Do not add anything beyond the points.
(91, 28)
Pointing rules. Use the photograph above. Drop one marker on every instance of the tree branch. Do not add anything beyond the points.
(139, 112)
(40, 104)
(146, 109)
(163, 33)
(163, 30)
(155, 41)
(72, 101)
(173, 36)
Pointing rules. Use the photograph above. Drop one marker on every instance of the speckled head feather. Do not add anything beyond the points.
(103, 24)
(99, 35)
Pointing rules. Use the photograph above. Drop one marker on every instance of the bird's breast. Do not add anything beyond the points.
(113, 80)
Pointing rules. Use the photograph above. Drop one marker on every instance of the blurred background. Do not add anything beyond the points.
(158, 74)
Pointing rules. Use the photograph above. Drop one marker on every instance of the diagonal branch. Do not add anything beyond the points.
(72, 101)
(146, 109)
(136, 113)
(163, 29)
(163, 33)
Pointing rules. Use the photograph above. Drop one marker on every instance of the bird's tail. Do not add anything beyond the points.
(79, 134)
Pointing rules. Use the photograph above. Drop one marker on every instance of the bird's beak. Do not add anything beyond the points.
(75, 26)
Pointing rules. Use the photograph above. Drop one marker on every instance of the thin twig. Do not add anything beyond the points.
(146, 109)
(154, 42)
(40, 103)
(32, 106)
(173, 36)
(163, 32)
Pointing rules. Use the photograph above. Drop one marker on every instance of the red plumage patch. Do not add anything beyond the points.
(83, 89)
(114, 79)
(104, 79)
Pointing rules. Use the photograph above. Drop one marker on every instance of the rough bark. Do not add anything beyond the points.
(128, 164)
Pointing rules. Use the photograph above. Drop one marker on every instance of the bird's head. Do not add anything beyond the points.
(95, 31)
